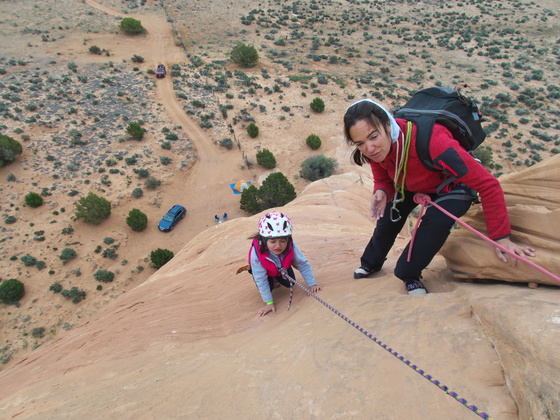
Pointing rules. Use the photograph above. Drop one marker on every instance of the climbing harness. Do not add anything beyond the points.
(400, 167)
(424, 199)
(407, 362)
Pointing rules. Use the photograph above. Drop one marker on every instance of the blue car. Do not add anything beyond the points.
(171, 218)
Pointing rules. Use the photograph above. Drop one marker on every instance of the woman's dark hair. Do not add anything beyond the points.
(262, 241)
(373, 114)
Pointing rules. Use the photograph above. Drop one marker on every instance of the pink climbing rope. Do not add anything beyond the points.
(424, 199)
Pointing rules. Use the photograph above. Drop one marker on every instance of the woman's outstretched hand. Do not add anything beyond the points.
(522, 251)
(378, 204)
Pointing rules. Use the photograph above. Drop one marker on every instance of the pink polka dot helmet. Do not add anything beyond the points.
(275, 225)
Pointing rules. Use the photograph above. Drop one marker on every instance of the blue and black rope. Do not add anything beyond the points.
(407, 362)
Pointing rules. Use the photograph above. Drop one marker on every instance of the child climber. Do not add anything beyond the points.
(273, 248)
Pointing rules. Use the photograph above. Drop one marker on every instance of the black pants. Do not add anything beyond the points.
(280, 279)
(430, 237)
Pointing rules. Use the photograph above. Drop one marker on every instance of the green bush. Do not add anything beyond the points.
(160, 257)
(253, 130)
(137, 59)
(244, 55)
(67, 255)
(11, 291)
(275, 191)
(227, 143)
(104, 276)
(93, 209)
(74, 293)
(33, 200)
(56, 287)
(38, 332)
(485, 156)
(151, 183)
(94, 49)
(135, 131)
(317, 167)
(137, 220)
(10, 149)
(137, 192)
(131, 26)
(28, 260)
(317, 105)
(313, 141)
(266, 158)
(10, 220)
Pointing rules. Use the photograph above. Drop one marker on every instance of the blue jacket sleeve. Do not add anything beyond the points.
(304, 267)
(260, 276)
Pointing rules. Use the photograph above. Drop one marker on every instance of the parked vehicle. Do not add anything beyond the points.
(160, 71)
(171, 218)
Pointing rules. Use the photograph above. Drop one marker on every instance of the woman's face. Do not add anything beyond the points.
(373, 142)
(277, 245)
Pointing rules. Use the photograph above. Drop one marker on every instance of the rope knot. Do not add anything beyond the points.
(420, 198)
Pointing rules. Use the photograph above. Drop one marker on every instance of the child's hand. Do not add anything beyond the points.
(314, 289)
(266, 309)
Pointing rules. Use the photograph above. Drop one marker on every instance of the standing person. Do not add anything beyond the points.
(273, 248)
(389, 146)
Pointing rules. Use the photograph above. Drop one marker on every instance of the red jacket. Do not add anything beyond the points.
(446, 153)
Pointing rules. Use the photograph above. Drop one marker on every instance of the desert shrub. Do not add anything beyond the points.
(104, 276)
(33, 199)
(485, 156)
(317, 105)
(94, 49)
(171, 136)
(253, 130)
(93, 209)
(56, 287)
(165, 160)
(160, 257)
(11, 177)
(67, 255)
(151, 183)
(313, 141)
(10, 220)
(275, 191)
(135, 131)
(131, 26)
(110, 253)
(11, 291)
(317, 167)
(10, 149)
(266, 158)
(38, 332)
(142, 173)
(137, 220)
(74, 293)
(244, 55)
(137, 192)
(28, 260)
(227, 143)
(137, 59)
(67, 230)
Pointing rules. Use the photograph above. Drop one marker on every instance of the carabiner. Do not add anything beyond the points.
(395, 211)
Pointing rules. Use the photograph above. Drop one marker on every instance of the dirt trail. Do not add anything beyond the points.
(207, 184)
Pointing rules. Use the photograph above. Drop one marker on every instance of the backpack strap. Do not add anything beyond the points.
(424, 126)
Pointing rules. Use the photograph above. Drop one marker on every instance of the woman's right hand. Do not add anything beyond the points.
(266, 309)
(378, 204)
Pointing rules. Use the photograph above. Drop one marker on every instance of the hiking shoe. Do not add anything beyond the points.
(362, 272)
(415, 288)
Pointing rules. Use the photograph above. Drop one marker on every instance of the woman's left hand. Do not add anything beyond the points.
(522, 251)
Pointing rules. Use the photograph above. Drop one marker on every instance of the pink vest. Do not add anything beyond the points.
(270, 267)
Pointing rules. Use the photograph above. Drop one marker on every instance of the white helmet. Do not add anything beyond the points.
(275, 225)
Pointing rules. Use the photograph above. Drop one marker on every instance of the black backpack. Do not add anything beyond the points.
(445, 106)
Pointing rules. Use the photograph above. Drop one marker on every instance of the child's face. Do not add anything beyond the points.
(277, 245)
